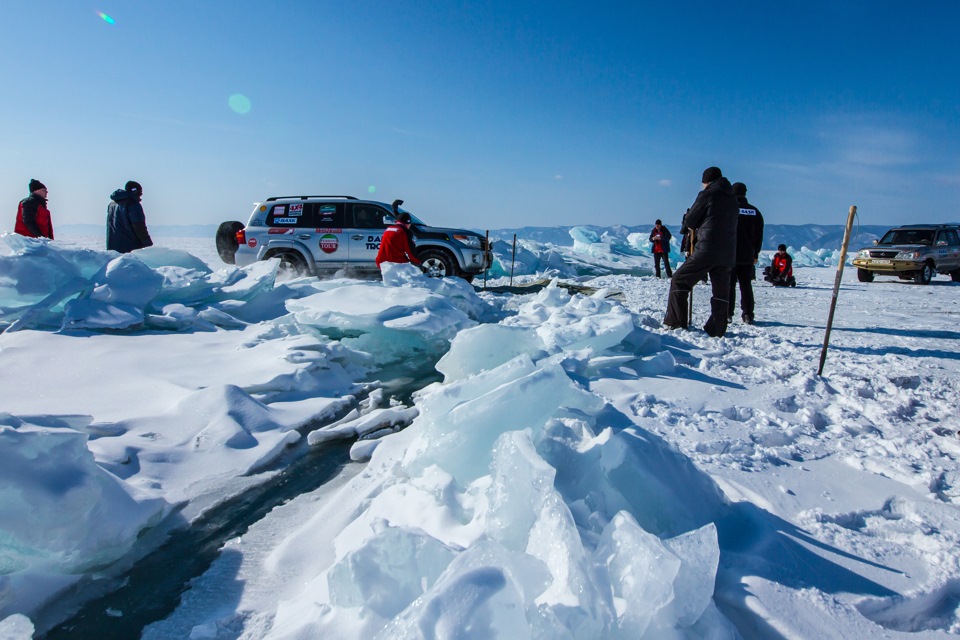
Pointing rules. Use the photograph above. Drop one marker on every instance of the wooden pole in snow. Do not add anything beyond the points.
(836, 287)
(693, 239)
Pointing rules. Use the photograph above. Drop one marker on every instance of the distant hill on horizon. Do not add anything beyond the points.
(812, 236)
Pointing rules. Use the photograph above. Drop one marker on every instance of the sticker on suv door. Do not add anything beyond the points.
(329, 243)
(284, 221)
(279, 231)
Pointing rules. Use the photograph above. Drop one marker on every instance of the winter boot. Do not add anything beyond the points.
(716, 324)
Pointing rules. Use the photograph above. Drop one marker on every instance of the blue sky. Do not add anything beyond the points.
(486, 115)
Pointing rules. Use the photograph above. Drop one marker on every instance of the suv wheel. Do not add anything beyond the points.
(437, 263)
(863, 275)
(292, 265)
(924, 275)
(227, 241)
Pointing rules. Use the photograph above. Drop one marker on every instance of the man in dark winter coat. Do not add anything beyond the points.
(33, 217)
(126, 222)
(660, 239)
(749, 241)
(713, 217)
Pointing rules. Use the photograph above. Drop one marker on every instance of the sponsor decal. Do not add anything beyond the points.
(329, 230)
(263, 208)
(296, 209)
(748, 212)
(329, 243)
(373, 242)
(277, 230)
(252, 243)
(279, 209)
(285, 221)
(257, 223)
(328, 209)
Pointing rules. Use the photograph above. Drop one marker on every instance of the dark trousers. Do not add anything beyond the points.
(688, 274)
(657, 257)
(745, 274)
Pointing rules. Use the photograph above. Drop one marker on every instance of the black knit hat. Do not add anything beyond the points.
(404, 217)
(133, 187)
(739, 189)
(782, 247)
(35, 184)
(711, 174)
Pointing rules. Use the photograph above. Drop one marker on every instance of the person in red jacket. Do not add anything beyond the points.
(395, 244)
(33, 217)
(780, 271)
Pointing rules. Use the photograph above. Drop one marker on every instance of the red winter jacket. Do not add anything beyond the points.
(395, 246)
(782, 265)
(33, 218)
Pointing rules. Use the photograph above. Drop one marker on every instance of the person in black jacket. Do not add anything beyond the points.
(126, 222)
(749, 242)
(713, 217)
(660, 239)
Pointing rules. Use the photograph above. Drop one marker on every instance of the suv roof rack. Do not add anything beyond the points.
(305, 197)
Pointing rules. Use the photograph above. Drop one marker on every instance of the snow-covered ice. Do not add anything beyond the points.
(572, 471)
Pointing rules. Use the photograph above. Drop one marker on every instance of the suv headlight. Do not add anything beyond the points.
(908, 255)
(863, 254)
(470, 241)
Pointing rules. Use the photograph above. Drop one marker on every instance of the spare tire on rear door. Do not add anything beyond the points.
(227, 241)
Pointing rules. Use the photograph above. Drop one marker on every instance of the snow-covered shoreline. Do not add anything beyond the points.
(591, 475)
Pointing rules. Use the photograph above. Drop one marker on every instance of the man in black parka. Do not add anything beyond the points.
(126, 222)
(713, 216)
(749, 242)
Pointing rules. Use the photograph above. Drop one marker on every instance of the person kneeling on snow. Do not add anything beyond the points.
(780, 271)
(395, 244)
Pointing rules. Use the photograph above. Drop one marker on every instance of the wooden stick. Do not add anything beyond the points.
(836, 287)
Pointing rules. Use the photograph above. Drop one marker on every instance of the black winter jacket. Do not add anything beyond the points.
(749, 232)
(126, 223)
(714, 217)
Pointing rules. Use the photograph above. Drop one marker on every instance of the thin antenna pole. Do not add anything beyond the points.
(513, 259)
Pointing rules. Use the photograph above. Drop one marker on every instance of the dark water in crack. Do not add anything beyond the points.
(151, 589)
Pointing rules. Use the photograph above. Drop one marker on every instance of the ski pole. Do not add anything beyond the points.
(836, 287)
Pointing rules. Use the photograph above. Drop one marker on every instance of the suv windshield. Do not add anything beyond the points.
(413, 218)
(908, 236)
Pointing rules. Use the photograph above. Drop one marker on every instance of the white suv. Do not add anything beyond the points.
(311, 234)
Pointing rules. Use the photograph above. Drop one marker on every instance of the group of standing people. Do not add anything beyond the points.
(723, 236)
(126, 221)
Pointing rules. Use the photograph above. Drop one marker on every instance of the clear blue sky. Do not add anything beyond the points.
(491, 114)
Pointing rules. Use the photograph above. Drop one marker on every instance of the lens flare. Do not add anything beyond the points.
(239, 103)
(106, 18)
(372, 189)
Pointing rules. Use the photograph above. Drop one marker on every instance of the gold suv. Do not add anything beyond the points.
(913, 252)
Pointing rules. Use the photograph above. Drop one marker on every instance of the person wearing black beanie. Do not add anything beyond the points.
(711, 174)
(33, 217)
(126, 222)
(749, 243)
(713, 221)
